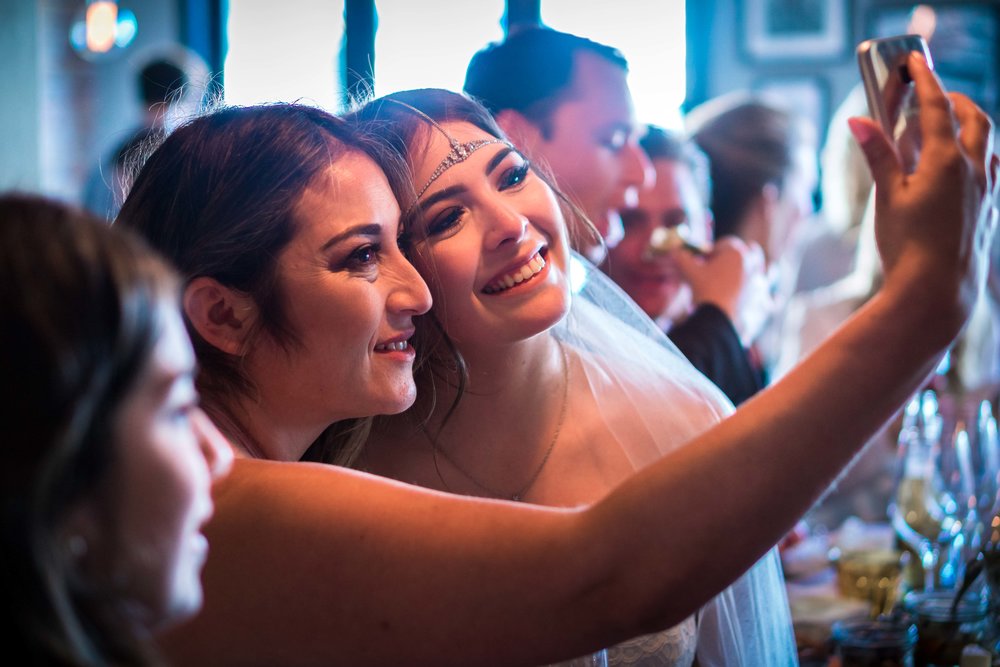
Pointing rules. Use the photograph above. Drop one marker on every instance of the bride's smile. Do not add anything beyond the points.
(522, 273)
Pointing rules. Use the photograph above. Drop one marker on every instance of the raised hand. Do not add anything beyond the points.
(732, 278)
(934, 226)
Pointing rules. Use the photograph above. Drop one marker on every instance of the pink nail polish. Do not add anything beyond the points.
(862, 131)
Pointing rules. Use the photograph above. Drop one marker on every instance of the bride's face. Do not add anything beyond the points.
(491, 242)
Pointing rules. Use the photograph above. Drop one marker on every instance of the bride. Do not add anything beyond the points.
(538, 380)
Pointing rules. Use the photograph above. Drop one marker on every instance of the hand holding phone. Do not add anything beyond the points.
(889, 89)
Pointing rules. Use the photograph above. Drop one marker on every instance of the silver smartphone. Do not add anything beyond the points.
(889, 89)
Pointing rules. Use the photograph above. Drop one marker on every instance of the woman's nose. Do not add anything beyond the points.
(410, 295)
(504, 224)
(216, 450)
(637, 169)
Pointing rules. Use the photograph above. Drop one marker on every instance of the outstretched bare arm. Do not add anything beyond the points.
(314, 565)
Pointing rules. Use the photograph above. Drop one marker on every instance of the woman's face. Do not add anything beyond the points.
(169, 455)
(350, 297)
(491, 241)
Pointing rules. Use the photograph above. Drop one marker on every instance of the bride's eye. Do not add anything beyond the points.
(445, 221)
(514, 176)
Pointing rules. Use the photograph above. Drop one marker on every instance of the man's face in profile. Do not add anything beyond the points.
(592, 144)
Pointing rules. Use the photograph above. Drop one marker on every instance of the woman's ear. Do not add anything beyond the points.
(221, 315)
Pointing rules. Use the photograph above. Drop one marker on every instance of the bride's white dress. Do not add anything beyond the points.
(652, 400)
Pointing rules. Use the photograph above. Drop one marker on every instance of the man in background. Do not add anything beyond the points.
(565, 102)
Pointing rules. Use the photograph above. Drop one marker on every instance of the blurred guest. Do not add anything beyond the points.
(685, 293)
(162, 83)
(828, 248)
(108, 460)
(764, 174)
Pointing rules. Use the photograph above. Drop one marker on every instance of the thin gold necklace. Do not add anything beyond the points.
(519, 494)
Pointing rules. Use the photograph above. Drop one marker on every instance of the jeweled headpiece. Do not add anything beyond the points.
(460, 152)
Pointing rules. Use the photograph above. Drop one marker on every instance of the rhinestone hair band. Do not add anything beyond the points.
(459, 152)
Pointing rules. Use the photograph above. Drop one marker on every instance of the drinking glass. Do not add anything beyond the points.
(914, 509)
(884, 641)
(957, 504)
(985, 454)
(872, 575)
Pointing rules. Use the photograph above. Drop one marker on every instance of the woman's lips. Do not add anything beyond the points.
(524, 273)
(395, 346)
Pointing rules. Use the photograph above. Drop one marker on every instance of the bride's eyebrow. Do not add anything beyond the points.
(450, 191)
(497, 159)
(453, 190)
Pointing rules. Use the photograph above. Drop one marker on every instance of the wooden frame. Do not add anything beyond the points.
(790, 30)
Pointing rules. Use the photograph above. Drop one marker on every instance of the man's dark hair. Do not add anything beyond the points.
(662, 144)
(531, 71)
(160, 80)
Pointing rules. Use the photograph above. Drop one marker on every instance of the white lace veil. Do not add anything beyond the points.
(654, 401)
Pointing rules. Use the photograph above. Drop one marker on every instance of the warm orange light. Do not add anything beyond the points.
(102, 23)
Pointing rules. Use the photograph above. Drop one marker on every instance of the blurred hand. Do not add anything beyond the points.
(934, 226)
(732, 278)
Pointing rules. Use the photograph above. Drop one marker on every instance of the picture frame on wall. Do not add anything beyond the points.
(789, 30)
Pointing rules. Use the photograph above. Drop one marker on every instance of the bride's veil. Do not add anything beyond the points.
(653, 401)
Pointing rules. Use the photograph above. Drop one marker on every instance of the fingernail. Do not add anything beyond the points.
(861, 130)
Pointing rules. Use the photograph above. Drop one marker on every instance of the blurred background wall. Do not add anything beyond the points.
(63, 108)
